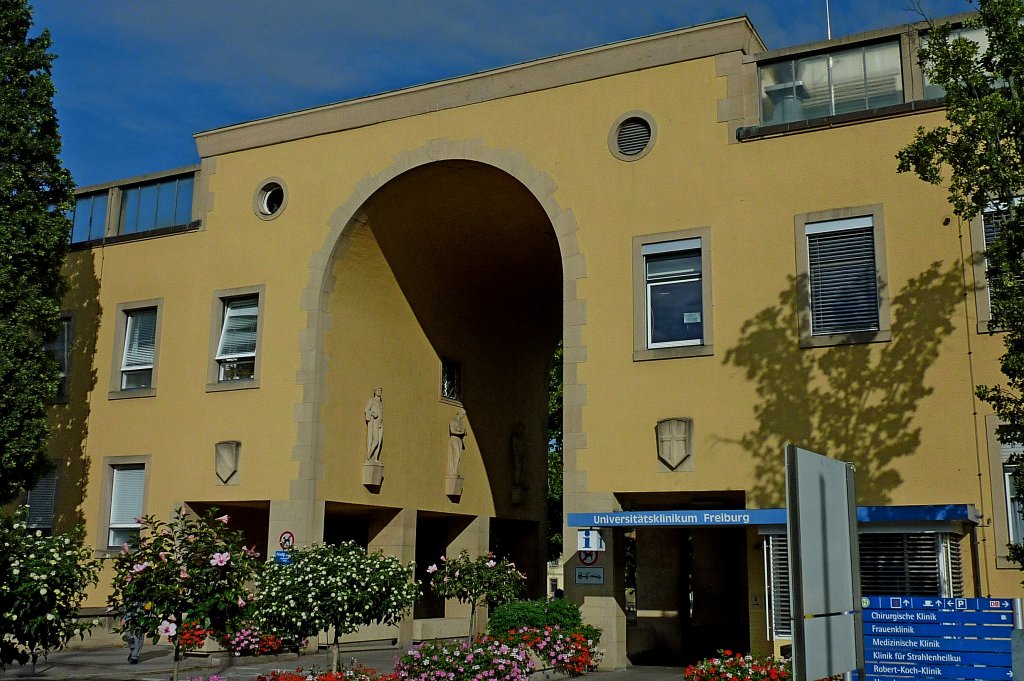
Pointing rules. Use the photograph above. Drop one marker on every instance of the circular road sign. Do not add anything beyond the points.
(588, 557)
(287, 540)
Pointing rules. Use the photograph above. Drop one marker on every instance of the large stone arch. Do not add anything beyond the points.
(300, 510)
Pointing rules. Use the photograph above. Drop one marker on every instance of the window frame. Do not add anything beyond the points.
(1001, 504)
(111, 463)
(804, 312)
(642, 349)
(982, 293)
(49, 485)
(221, 298)
(65, 332)
(124, 310)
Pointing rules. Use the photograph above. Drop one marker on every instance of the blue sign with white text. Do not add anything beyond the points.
(282, 557)
(937, 638)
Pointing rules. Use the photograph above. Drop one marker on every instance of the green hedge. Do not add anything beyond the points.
(540, 613)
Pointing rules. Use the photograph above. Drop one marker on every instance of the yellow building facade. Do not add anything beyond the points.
(715, 232)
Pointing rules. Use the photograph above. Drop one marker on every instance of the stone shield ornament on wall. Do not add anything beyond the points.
(674, 441)
(226, 455)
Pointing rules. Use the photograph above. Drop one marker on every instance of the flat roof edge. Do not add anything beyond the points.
(686, 44)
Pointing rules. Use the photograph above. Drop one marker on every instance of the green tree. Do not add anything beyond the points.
(554, 498)
(484, 580)
(42, 583)
(191, 569)
(982, 145)
(326, 586)
(35, 192)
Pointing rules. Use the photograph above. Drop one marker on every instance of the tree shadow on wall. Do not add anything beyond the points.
(853, 402)
(69, 418)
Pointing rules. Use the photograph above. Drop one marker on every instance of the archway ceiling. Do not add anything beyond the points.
(472, 250)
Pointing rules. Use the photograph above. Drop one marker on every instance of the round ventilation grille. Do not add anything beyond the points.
(633, 137)
(270, 199)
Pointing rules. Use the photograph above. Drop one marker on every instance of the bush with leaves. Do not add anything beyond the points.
(340, 586)
(539, 613)
(191, 569)
(42, 583)
(482, 658)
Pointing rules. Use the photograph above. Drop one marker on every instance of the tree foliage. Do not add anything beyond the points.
(35, 192)
(484, 580)
(191, 569)
(554, 470)
(332, 586)
(982, 146)
(42, 583)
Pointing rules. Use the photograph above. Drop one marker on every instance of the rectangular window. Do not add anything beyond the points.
(40, 504)
(1009, 453)
(841, 277)
(139, 349)
(60, 348)
(891, 564)
(837, 82)
(451, 380)
(236, 349)
(672, 295)
(126, 496)
(985, 230)
(89, 222)
(154, 205)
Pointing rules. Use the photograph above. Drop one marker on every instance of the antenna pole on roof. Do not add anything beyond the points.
(828, 21)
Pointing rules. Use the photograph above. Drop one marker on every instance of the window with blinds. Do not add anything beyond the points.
(139, 349)
(236, 349)
(40, 504)
(842, 276)
(126, 495)
(891, 564)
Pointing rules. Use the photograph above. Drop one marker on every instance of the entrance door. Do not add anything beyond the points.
(691, 595)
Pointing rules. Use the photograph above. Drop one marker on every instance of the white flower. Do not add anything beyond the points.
(167, 628)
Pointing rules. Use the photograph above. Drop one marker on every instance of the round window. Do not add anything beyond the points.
(270, 199)
(632, 136)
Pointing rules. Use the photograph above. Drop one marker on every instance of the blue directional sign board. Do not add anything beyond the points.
(282, 557)
(937, 638)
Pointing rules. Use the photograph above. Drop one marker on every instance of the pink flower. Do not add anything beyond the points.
(241, 602)
(183, 573)
(432, 569)
(252, 553)
(139, 567)
(191, 537)
(490, 563)
(163, 556)
(220, 558)
(224, 518)
(124, 547)
(167, 628)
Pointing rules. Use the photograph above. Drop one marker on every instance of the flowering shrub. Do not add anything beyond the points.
(190, 635)
(476, 581)
(42, 583)
(327, 586)
(568, 652)
(739, 667)
(483, 658)
(190, 569)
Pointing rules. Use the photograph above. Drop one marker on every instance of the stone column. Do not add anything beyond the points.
(302, 518)
(602, 605)
(395, 535)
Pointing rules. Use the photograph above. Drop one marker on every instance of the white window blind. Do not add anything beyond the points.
(1014, 521)
(139, 340)
(238, 334)
(842, 276)
(40, 503)
(126, 495)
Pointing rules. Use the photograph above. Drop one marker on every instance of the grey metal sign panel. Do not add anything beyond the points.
(823, 565)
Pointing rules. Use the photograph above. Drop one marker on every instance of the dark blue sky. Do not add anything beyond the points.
(136, 79)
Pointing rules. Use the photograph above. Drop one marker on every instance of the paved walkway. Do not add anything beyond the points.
(111, 664)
